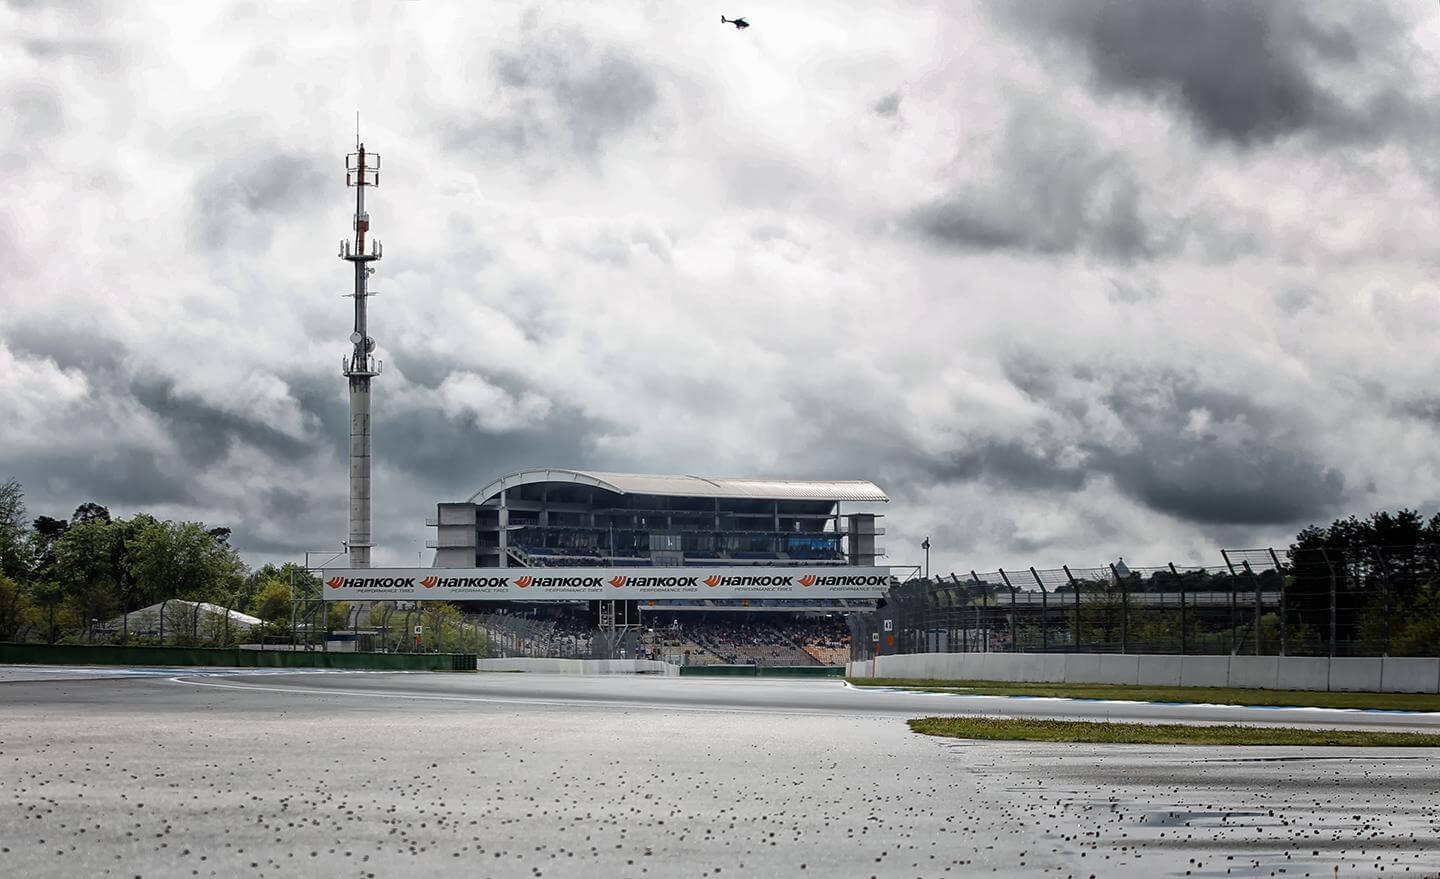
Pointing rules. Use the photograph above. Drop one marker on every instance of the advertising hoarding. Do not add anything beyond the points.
(580, 584)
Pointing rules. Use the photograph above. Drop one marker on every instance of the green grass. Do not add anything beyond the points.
(1009, 729)
(1211, 695)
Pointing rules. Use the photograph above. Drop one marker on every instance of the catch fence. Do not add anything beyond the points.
(1299, 602)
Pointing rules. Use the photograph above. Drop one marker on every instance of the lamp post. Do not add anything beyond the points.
(926, 546)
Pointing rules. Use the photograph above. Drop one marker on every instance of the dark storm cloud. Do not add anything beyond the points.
(449, 455)
(558, 91)
(120, 472)
(205, 433)
(246, 538)
(457, 458)
(1245, 464)
(1244, 72)
(1267, 476)
(1198, 482)
(286, 504)
(237, 197)
(324, 400)
(113, 475)
(68, 347)
(1251, 465)
(1054, 191)
(1010, 463)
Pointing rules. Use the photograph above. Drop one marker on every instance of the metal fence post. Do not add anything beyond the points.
(1234, 647)
(1180, 584)
(1284, 582)
(953, 594)
(1333, 588)
(1255, 582)
(1074, 586)
(1044, 611)
(1014, 644)
(1124, 608)
(976, 604)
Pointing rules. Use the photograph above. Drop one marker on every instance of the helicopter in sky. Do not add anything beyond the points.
(740, 23)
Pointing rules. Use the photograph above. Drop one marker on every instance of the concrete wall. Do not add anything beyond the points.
(1303, 673)
(1160, 671)
(579, 666)
(1410, 675)
(1204, 671)
(1261, 672)
(1355, 674)
(456, 514)
(1370, 674)
(1113, 669)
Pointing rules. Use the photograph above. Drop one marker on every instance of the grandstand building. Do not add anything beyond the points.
(554, 517)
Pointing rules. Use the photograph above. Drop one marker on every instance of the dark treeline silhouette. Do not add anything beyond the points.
(1381, 572)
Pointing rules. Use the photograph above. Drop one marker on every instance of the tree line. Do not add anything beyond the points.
(1382, 574)
(57, 575)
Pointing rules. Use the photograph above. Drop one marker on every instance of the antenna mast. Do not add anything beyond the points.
(362, 170)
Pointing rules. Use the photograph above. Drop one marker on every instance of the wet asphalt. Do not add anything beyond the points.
(172, 773)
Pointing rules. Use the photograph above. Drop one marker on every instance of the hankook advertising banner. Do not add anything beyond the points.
(539, 584)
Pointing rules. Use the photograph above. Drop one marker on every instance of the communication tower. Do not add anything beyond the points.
(362, 169)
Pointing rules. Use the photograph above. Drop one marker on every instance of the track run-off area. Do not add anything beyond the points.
(179, 772)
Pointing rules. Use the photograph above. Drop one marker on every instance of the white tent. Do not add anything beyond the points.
(177, 615)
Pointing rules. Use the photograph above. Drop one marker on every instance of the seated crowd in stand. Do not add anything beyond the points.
(698, 639)
(776, 641)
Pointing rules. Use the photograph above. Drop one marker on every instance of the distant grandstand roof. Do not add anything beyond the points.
(695, 486)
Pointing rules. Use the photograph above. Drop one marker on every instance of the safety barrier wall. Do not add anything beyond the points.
(81, 654)
(579, 666)
(1368, 674)
(764, 671)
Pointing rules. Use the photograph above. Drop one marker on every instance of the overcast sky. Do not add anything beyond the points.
(1070, 281)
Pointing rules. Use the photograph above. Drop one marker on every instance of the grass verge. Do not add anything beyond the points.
(1010, 729)
(1210, 695)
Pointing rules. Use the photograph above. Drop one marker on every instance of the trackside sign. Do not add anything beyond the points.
(539, 584)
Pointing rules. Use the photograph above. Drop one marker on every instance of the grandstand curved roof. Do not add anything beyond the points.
(694, 486)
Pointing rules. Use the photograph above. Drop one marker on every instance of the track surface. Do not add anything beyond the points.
(148, 772)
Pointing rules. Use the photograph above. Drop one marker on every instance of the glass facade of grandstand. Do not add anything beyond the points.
(550, 518)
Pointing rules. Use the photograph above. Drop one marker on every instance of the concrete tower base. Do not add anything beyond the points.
(360, 541)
